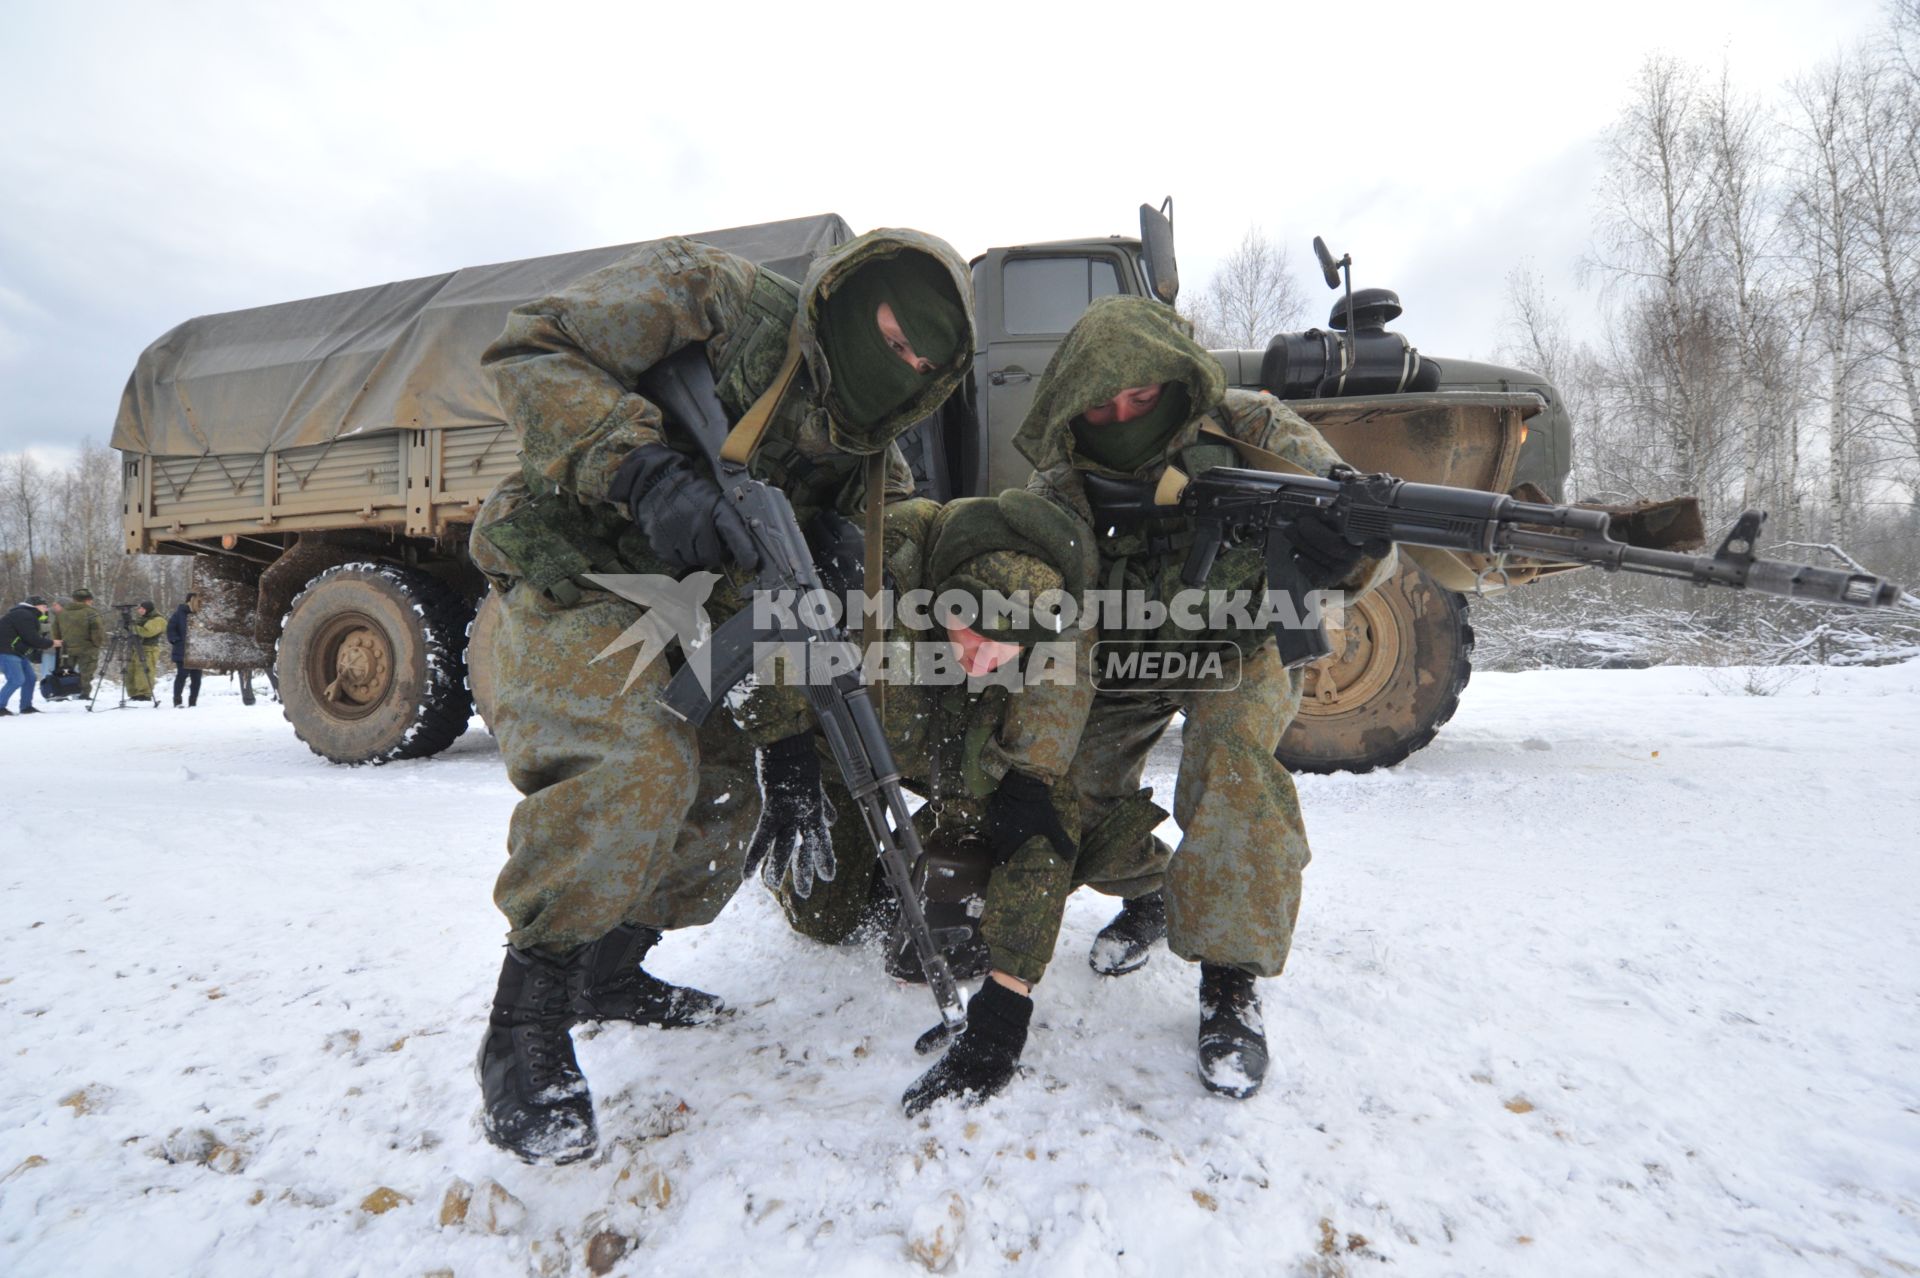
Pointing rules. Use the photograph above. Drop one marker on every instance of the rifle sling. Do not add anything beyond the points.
(873, 627)
(744, 438)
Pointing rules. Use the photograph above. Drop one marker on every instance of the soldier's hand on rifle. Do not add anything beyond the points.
(1325, 554)
(681, 510)
(795, 831)
(1021, 808)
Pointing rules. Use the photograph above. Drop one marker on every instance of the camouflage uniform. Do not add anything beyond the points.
(954, 742)
(143, 657)
(82, 635)
(1233, 885)
(630, 815)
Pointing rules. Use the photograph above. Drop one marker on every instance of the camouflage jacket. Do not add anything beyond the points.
(80, 629)
(1124, 342)
(565, 370)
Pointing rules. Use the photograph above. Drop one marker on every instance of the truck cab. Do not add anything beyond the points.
(1025, 299)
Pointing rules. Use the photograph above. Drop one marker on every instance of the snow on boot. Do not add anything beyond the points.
(984, 1058)
(611, 985)
(1233, 1039)
(1125, 943)
(534, 1100)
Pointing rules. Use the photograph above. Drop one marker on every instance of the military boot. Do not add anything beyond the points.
(1125, 943)
(1233, 1039)
(534, 1100)
(610, 985)
(983, 1059)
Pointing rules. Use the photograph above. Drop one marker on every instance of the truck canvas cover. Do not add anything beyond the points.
(401, 356)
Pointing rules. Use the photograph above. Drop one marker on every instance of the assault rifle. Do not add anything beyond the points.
(683, 389)
(1229, 506)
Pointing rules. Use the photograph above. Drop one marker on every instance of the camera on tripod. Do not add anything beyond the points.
(126, 614)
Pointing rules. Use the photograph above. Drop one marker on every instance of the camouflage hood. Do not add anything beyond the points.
(1018, 545)
(829, 272)
(1120, 342)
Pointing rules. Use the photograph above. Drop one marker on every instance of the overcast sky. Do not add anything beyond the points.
(159, 161)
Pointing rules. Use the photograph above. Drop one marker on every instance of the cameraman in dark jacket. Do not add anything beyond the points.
(177, 640)
(23, 638)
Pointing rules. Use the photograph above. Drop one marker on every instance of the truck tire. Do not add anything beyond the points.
(480, 635)
(370, 665)
(1395, 676)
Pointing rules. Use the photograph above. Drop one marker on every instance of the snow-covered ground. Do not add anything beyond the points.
(1618, 977)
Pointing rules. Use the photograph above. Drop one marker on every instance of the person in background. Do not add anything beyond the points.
(50, 628)
(177, 640)
(82, 634)
(23, 638)
(148, 626)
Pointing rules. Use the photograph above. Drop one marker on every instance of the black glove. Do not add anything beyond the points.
(1020, 809)
(681, 510)
(839, 552)
(1324, 554)
(796, 818)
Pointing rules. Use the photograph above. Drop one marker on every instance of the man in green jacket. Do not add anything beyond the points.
(1128, 395)
(82, 634)
(632, 822)
(143, 654)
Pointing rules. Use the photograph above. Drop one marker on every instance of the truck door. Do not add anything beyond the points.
(1027, 300)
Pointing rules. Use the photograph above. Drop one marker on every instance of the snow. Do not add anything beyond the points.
(1619, 976)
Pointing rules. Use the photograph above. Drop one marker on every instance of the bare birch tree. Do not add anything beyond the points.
(1250, 298)
(1823, 220)
(1884, 123)
(1653, 224)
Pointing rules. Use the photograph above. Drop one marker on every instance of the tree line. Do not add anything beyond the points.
(60, 530)
(1756, 275)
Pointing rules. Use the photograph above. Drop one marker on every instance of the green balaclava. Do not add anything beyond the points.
(870, 379)
(1127, 446)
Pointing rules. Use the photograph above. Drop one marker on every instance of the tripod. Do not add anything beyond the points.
(122, 646)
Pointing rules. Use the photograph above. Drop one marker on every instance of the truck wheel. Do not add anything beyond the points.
(480, 634)
(1394, 677)
(369, 664)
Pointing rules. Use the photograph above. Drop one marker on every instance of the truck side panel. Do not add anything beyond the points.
(417, 482)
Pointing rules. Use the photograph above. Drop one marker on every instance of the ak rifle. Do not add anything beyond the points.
(682, 387)
(1229, 506)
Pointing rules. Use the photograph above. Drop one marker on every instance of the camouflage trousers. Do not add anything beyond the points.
(137, 679)
(630, 815)
(1026, 897)
(1233, 885)
(86, 661)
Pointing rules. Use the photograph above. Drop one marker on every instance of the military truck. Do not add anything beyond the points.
(323, 461)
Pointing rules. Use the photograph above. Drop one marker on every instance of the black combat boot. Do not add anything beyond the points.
(610, 985)
(534, 1100)
(1124, 944)
(983, 1059)
(1233, 1040)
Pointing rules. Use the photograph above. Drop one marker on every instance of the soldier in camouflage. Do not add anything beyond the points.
(143, 654)
(1128, 394)
(82, 634)
(632, 822)
(986, 753)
